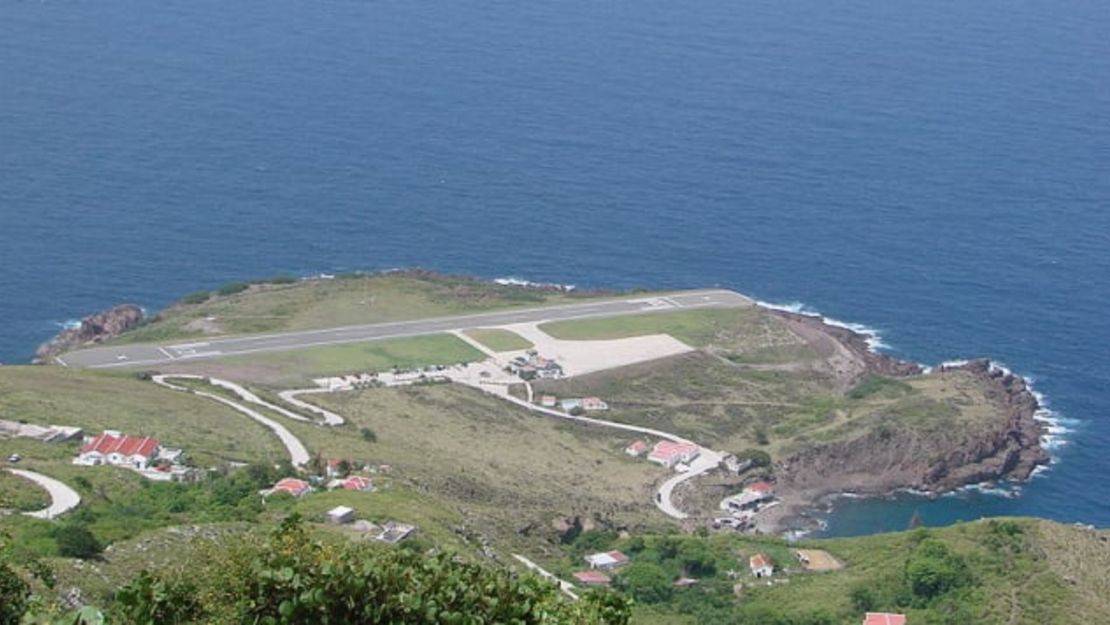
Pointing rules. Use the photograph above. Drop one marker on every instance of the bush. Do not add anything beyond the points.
(874, 384)
(934, 570)
(646, 582)
(757, 457)
(292, 579)
(282, 280)
(233, 288)
(76, 541)
(199, 297)
(368, 435)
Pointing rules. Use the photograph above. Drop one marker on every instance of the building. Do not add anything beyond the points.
(606, 560)
(761, 565)
(750, 498)
(291, 486)
(593, 403)
(548, 401)
(118, 449)
(340, 515)
(570, 405)
(670, 453)
(636, 449)
(357, 483)
(532, 366)
(884, 618)
(592, 578)
(393, 532)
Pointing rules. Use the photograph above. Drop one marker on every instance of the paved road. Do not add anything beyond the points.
(152, 355)
(566, 587)
(62, 497)
(298, 455)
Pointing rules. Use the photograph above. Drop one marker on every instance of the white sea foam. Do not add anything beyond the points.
(871, 336)
(512, 281)
(68, 324)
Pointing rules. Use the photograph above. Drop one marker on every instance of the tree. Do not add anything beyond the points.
(933, 570)
(757, 457)
(646, 582)
(74, 540)
(368, 435)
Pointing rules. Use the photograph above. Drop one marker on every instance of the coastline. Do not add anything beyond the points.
(1015, 453)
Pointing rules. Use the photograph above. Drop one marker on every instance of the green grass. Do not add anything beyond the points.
(312, 362)
(20, 494)
(346, 300)
(95, 401)
(500, 340)
(504, 466)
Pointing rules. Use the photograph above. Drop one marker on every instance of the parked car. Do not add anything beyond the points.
(14, 458)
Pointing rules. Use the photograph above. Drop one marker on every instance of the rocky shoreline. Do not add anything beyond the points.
(92, 330)
(885, 461)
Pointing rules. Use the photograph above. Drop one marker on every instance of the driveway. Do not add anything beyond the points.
(63, 498)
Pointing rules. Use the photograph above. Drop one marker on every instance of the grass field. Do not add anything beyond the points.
(20, 494)
(748, 335)
(500, 340)
(95, 401)
(734, 408)
(504, 466)
(297, 367)
(346, 300)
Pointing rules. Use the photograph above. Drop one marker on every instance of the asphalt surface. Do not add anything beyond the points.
(150, 355)
(62, 497)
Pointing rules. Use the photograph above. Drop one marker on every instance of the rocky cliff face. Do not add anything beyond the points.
(93, 329)
(888, 459)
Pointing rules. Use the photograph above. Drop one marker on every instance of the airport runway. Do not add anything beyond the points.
(147, 355)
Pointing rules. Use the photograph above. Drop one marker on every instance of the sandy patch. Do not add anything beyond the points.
(817, 560)
(582, 357)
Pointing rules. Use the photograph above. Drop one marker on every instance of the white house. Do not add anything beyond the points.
(111, 447)
(606, 560)
(761, 565)
(340, 515)
(670, 453)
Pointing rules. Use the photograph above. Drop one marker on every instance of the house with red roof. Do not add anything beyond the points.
(594, 403)
(761, 565)
(115, 448)
(884, 618)
(636, 449)
(670, 453)
(357, 483)
(291, 486)
(592, 578)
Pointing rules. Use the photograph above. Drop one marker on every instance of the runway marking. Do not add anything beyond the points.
(59, 360)
(168, 355)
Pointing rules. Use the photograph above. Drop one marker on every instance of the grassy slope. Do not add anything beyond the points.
(96, 401)
(502, 465)
(20, 494)
(1051, 573)
(299, 366)
(340, 302)
(500, 340)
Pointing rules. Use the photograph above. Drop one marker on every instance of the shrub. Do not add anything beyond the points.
(76, 541)
(199, 297)
(757, 457)
(646, 582)
(233, 288)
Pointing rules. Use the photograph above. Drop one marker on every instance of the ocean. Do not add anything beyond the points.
(936, 171)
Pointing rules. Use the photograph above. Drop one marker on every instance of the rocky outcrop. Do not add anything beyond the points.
(93, 329)
(889, 458)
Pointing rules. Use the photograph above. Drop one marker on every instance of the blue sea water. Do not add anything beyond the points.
(937, 170)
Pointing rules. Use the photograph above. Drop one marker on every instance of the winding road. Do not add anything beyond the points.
(62, 497)
(298, 454)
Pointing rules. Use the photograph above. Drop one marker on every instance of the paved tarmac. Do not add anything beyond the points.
(151, 355)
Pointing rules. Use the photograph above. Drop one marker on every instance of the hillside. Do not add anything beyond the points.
(461, 449)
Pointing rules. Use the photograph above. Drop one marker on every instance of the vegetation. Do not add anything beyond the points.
(22, 495)
(874, 385)
(500, 340)
(281, 304)
(298, 365)
(209, 433)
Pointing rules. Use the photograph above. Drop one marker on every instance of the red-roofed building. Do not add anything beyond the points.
(357, 482)
(759, 487)
(884, 618)
(636, 449)
(670, 453)
(606, 560)
(118, 449)
(592, 578)
(761, 565)
(290, 485)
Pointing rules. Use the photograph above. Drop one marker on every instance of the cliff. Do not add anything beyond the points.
(890, 458)
(93, 329)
